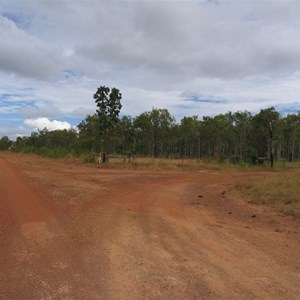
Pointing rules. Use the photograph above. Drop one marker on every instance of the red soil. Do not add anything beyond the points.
(75, 231)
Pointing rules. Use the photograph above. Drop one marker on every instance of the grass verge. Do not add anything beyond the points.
(189, 165)
(280, 191)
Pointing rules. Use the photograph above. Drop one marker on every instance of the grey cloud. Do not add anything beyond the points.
(26, 55)
(178, 39)
(35, 112)
(83, 112)
(190, 40)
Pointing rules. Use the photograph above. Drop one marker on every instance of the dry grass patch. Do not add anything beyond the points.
(192, 165)
(281, 191)
(189, 165)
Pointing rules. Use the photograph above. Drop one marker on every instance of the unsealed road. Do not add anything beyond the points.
(74, 231)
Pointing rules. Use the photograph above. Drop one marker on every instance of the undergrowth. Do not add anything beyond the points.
(163, 164)
(188, 165)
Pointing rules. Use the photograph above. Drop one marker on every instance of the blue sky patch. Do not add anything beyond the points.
(5, 102)
(205, 100)
(74, 121)
(21, 21)
(293, 108)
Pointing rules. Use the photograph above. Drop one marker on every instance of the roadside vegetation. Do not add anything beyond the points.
(184, 164)
(238, 138)
(279, 190)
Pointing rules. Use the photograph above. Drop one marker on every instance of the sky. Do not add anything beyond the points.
(198, 58)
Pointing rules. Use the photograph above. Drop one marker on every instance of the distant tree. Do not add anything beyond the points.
(109, 106)
(89, 133)
(265, 123)
(125, 136)
(242, 131)
(144, 134)
(190, 137)
(291, 130)
(153, 131)
(218, 136)
(5, 143)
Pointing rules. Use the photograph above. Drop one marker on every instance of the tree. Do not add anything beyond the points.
(190, 137)
(153, 130)
(291, 127)
(89, 133)
(217, 136)
(5, 143)
(264, 125)
(109, 106)
(125, 136)
(242, 130)
(144, 134)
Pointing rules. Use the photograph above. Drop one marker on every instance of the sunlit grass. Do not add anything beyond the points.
(280, 190)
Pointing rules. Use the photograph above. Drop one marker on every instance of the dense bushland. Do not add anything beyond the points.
(238, 137)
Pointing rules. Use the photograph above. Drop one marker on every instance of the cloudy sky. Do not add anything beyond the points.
(192, 57)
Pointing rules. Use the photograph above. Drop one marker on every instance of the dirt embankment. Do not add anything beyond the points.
(74, 231)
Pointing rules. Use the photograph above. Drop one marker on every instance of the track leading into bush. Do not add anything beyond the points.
(73, 231)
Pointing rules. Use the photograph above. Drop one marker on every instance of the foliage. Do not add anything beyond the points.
(57, 143)
(89, 132)
(153, 130)
(5, 143)
(108, 108)
(238, 137)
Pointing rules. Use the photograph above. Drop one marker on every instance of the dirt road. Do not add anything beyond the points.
(74, 231)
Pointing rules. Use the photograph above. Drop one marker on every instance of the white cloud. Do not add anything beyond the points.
(41, 123)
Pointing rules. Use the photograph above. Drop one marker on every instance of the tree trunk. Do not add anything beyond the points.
(271, 145)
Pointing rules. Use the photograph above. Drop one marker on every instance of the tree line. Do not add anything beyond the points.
(233, 137)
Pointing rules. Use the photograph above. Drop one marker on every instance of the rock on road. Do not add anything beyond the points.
(74, 231)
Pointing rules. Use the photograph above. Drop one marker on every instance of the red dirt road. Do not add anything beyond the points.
(74, 231)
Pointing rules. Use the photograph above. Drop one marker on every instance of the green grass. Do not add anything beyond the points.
(280, 191)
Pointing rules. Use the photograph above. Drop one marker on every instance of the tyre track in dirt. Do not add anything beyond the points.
(142, 235)
(38, 260)
(164, 249)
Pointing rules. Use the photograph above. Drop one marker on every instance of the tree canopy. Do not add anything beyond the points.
(236, 137)
(109, 105)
